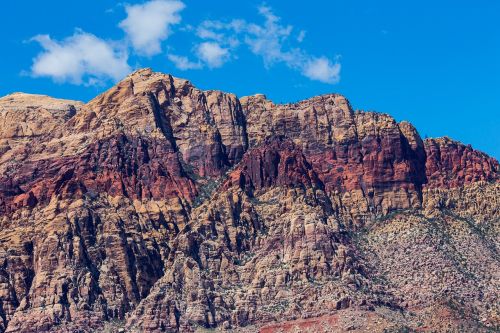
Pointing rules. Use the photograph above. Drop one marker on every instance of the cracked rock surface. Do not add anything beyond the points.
(160, 207)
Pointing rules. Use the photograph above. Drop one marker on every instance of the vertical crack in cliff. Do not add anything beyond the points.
(162, 121)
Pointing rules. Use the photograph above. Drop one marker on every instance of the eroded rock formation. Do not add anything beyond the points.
(159, 207)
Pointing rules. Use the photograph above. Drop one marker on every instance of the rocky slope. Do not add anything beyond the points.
(159, 207)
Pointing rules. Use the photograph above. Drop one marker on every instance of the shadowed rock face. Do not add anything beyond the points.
(452, 164)
(161, 207)
(278, 162)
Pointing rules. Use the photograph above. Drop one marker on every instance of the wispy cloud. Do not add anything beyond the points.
(271, 40)
(301, 36)
(84, 58)
(79, 59)
(148, 24)
(183, 63)
(268, 40)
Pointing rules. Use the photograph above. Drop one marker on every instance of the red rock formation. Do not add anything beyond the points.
(379, 163)
(137, 168)
(452, 164)
(161, 207)
(278, 162)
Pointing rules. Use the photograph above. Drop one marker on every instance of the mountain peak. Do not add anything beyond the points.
(146, 71)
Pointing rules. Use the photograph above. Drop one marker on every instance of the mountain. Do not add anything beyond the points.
(160, 207)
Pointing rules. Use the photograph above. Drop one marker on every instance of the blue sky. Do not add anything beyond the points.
(434, 63)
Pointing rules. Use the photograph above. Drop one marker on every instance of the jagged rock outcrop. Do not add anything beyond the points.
(452, 164)
(253, 250)
(160, 207)
(137, 168)
(276, 163)
(369, 163)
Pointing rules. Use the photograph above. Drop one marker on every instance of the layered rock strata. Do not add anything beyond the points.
(159, 207)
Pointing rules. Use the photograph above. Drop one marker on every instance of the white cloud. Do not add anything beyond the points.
(148, 24)
(270, 40)
(212, 54)
(267, 40)
(183, 63)
(322, 69)
(206, 33)
(209, 54)
(214, 30)
(79, 59)
(301, 36)
(86, 59)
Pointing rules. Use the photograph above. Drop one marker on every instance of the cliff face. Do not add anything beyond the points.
(161, 207)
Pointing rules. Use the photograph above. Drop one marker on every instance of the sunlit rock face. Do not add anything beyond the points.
(160, 207)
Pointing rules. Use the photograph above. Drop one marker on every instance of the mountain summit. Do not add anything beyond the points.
(160, 207)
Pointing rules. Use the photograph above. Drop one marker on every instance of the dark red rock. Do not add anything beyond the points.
(278, 162)
(136, 168)
(452, 164)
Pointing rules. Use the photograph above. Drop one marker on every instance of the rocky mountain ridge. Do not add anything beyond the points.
(157, 206)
